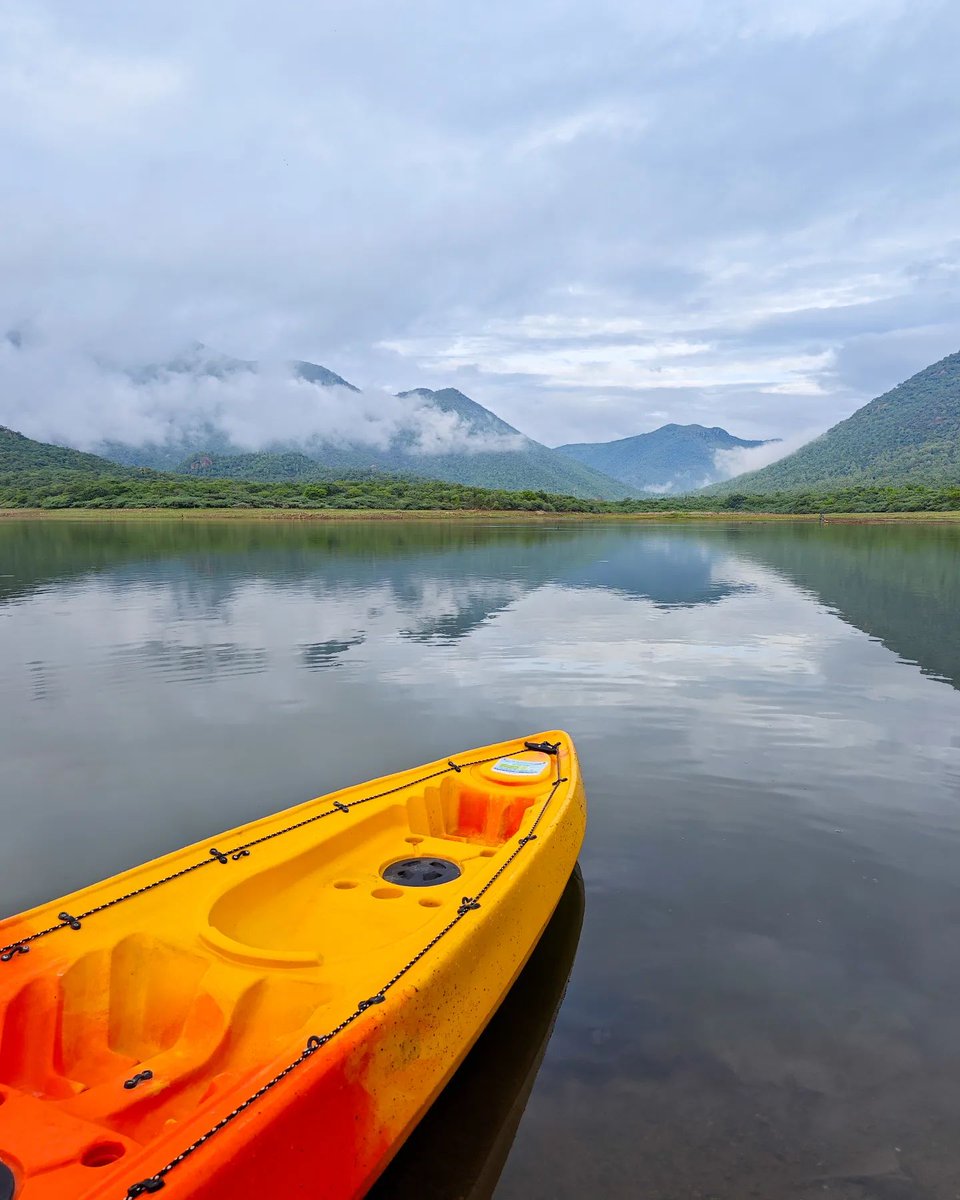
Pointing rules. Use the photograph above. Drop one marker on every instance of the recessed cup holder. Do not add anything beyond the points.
(102, 1154)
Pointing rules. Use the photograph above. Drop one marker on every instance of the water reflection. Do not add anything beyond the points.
(669, 571)
(327, 654)
(186, 663)
(475, 570)
(899, 585)
(432, 584)
(460, 1146)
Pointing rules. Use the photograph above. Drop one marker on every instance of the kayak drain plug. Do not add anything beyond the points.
(421, 872)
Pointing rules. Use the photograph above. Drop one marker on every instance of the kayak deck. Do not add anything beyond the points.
(131, 1026)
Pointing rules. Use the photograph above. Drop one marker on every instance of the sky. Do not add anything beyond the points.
(593, 218)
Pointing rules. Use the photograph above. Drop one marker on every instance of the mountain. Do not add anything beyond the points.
(673, 458)
(19, 454)
(910, 434)
(515, 463)
(314, 373)
(449, 400)
(525, 465)
(474, 446)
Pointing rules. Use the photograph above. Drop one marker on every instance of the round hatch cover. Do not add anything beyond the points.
(421, 872)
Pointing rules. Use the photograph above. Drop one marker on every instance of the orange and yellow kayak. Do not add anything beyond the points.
(272, 1012)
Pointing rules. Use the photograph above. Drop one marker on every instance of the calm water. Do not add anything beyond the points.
(765, 999)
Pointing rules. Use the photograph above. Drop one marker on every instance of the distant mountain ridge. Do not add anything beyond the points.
(530, 467)
(671, 459)
(910, 434)
(502, 456)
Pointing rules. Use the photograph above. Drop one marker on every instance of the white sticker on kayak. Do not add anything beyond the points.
(519, 766)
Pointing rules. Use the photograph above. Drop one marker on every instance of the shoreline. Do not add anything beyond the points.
(497, 515)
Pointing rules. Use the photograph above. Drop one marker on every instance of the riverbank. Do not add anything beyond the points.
(513, 515)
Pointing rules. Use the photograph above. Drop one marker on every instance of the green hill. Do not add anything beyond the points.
(19, 454)
(909, 435)
(673, 458)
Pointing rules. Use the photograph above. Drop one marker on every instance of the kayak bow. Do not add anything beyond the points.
(273, 1013)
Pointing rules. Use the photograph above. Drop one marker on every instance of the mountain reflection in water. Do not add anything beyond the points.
(900, 585)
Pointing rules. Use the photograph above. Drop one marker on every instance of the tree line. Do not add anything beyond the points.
(60, 488)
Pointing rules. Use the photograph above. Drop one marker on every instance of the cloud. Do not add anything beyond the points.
(57, 88)
(539, 206)
(740, 459)
(65, 396)
(608, 122)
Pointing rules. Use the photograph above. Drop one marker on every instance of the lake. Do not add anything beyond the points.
(764, 953)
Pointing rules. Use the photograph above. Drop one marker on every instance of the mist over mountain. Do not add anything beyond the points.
(156, 414)
(909, 435)
(671, 459)
(169, 415)
(498, 456)
(241, 406)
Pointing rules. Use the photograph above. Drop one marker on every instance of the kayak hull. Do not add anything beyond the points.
(278, 963)
(462, 1143)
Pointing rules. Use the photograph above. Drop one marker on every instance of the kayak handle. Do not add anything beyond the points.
(543, 747)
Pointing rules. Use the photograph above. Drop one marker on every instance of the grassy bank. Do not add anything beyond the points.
(500, 516)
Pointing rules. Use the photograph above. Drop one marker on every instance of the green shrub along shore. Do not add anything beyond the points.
(59, 488)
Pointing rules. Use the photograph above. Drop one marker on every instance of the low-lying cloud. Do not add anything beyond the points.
(740, 459)
(66, 396)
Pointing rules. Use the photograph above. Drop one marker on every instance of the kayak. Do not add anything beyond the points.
(272, 1012)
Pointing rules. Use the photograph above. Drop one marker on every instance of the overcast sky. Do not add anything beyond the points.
(593, 217)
